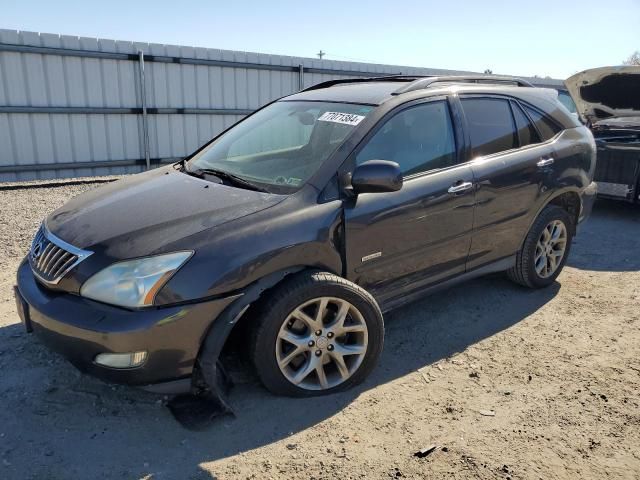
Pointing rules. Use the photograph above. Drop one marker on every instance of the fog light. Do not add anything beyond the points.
(121, 360)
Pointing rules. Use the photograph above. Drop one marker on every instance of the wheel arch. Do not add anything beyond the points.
(569, 199)
(237, 316)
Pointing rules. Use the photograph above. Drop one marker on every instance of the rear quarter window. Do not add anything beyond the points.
(546, 127)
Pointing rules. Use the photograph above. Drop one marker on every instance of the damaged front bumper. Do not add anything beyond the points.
(80, 329)
(618, 170)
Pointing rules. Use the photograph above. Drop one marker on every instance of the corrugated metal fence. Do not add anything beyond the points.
(73, 106)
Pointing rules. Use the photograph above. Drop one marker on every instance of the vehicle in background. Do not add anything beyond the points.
(608, 101)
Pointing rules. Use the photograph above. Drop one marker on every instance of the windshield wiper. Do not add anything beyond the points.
(230, 177)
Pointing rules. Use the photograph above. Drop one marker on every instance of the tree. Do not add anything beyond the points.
(634, 59)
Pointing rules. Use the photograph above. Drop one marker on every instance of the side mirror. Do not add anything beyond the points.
(376, 176)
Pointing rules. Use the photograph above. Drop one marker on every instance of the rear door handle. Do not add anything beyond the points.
(460, 187)
(545, 162)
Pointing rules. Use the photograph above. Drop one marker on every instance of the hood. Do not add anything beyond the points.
(138, 215)
(606, 92)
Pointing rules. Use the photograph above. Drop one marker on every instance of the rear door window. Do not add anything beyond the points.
(546, 127)
(526, 132)
(491, 126)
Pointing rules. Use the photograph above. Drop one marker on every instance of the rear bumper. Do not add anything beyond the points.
(79, 329)
(588, 199)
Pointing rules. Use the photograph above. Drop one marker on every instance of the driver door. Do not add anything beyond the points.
(401, 241)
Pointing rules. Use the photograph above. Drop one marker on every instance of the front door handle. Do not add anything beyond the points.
(460, 187)
(545, 162)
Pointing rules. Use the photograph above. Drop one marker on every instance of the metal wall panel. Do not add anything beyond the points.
(94, 74)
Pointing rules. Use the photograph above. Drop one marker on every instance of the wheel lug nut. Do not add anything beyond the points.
(311, 343)
(318, 353)
(330, 335)
(318, 332)
(330, 347)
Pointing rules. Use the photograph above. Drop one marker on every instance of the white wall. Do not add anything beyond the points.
(39, 138)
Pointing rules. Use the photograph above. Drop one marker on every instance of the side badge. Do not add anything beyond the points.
(371, 256)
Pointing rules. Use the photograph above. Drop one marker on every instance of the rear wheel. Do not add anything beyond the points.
(545, 249)
(316, 334)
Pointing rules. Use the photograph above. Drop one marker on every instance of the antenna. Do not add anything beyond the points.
(321, 54)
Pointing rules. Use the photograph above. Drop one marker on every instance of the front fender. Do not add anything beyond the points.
(208, 360)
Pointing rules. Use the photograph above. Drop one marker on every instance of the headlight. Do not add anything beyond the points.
(133, 283)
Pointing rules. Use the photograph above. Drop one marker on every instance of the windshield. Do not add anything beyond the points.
(280, 147)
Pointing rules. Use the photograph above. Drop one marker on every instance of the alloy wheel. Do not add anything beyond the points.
(550, 248)
(321, 343)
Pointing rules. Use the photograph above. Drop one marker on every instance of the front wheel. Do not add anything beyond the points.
(316, 334)
(545, 249)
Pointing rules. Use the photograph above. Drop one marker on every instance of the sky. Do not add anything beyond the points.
(545, 38)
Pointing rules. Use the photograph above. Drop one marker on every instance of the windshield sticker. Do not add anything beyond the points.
(344, 118)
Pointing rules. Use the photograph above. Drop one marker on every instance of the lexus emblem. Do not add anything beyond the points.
(36, 250)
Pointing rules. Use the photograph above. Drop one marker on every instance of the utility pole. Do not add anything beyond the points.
(321, 54)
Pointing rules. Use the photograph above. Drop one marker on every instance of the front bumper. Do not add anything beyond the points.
(618, 171)
(80, 329)
(588, 199)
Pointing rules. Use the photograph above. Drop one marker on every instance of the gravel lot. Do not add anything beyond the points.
(506, 382)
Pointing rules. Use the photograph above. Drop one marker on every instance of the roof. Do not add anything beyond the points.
(376, 90)
(372, 93)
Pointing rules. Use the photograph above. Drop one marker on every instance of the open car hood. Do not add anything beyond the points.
(606, 92)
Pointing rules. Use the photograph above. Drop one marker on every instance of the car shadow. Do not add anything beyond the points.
(78, 427)
(609, 240)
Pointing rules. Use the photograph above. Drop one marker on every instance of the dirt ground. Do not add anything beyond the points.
(506, 382)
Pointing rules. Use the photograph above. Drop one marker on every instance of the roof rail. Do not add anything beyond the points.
(425, 82)
(385, 78)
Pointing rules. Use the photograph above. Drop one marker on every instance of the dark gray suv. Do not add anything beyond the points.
(304, 222)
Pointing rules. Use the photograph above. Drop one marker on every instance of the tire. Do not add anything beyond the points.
(525, 271)
(280, 363)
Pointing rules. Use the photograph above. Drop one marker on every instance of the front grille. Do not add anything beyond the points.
(51, 258)
(618, 167)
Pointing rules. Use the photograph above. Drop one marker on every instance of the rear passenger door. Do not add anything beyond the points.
(400, 241)
(512, 160)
